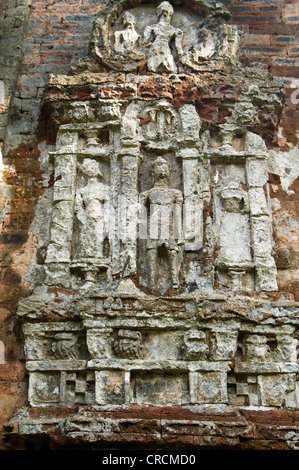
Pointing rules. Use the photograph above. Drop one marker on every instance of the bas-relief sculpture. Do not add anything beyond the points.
(90, 212)
(126, 40)
(150, 320)
(164, 39)
(157, 39)
(164, 223)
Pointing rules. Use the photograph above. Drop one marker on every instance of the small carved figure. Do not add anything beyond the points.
(65, 346)
(126, 40)
(158, 38)
(256, 349)
(128, 344)
(45, 388)
(287, 348)
(89, 208)
(195, 346)
(165, 222)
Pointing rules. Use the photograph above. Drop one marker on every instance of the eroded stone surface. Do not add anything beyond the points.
(159, 281)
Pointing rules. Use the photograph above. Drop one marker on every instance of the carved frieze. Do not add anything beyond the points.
(160, 242)
(65, 388)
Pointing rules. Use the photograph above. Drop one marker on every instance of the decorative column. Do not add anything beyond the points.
(128, 208)
(189, 153)
(261, 232)
(59, 249)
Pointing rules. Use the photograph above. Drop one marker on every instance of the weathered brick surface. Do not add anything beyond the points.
(39, 38)
(156, 428)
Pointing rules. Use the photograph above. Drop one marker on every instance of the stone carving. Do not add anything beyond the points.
(128, 344)
(161, 124)
(77, 387)
(65, 345)
(195, 345)
(208, 387)
(206, 48)
(126, 40)
(90, 208)
(166, 389)
(99, 342)
(158, 37)
(231, 230)
(262, 390)
(112, 387)
(61, 388)
(256, 348)
(214, 41)
(278, 390)
(224, 344)
(164, 227)
(112, 303)
(243, 390)
(44, 388)
(167, 46)
(287, 348)
(156, 319)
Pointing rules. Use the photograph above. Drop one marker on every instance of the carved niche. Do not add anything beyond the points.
(136, 175)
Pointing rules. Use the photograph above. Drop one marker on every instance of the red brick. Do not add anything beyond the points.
(285, 71)
(255, 39)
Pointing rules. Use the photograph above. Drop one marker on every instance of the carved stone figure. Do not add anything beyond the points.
(65, 346)
(158, 38)
(256, 348)
(287, 348)
(164, 222)
(195, 346)
(128, 344)
(44, 388)
(126, 40)
(90, 211)
(160, 308)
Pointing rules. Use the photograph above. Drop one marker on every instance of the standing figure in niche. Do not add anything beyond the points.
(158, 38)
(164, 226)
(126, 40)
(90, 208)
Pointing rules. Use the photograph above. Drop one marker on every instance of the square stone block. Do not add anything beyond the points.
(208, 387)
(112, 387)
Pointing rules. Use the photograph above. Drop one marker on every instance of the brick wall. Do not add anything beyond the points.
(40, 37)
(270, 40)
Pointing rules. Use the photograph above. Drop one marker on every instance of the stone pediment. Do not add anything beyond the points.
(136, 36)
